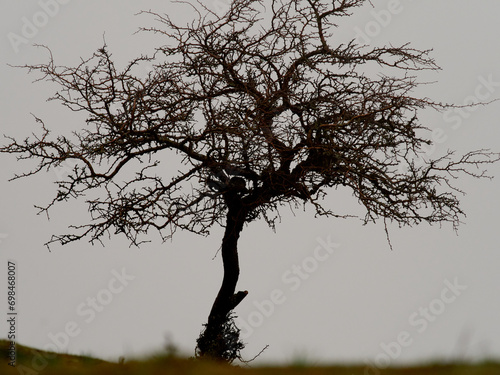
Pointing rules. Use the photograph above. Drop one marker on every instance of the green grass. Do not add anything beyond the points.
(31, 361)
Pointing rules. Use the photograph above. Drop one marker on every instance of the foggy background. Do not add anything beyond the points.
(347, 305)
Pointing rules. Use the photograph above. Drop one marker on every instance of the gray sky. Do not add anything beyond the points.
(436, 293)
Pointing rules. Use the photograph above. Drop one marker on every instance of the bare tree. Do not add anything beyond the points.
(259, 110)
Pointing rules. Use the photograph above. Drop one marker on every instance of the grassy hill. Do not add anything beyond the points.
(32, 361)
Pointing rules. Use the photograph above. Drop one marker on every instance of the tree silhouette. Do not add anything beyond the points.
(256, 109)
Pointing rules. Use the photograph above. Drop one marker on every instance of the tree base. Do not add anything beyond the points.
(220, 342)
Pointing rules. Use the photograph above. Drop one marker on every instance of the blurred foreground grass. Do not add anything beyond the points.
(31, 361)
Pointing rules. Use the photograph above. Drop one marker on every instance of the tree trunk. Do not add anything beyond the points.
(220, 339)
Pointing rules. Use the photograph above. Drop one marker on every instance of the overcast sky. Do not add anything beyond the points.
(321, 290)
